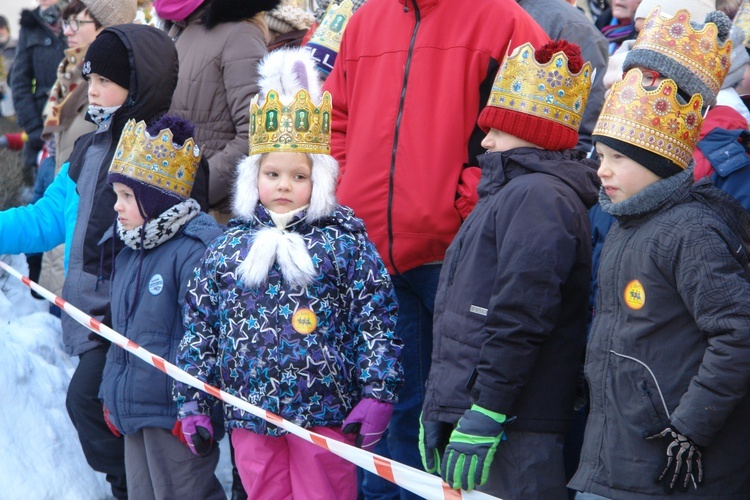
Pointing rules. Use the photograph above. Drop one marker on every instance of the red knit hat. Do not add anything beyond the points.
(539, 95)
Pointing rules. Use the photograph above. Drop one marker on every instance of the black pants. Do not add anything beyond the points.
(104, 452)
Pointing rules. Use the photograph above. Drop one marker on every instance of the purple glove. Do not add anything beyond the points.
(369, 419)
(197, 430)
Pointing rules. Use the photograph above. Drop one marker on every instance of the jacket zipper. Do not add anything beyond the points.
(418, 18)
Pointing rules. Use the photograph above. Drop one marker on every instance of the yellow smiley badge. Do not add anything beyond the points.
(304, 321)
(635, 295)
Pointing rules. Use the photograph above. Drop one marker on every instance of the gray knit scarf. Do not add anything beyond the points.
(649, 198)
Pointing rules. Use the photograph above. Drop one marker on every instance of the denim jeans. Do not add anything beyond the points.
(415, 290)
(44, 177)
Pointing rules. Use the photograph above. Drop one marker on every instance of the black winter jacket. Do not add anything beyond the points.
(39, 52)
(670, 345)
(511, 307)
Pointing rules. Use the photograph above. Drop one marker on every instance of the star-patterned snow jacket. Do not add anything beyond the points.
(306, 354)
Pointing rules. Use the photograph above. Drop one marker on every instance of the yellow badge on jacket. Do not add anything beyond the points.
(635, 295)
(304, 321)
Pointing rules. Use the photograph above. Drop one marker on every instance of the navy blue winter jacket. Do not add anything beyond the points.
(137, 394)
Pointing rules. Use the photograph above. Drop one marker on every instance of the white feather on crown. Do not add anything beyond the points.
(286, 71)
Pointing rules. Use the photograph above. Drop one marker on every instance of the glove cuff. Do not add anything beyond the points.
(497, 417)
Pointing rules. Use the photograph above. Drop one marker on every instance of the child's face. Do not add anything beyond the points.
(127, 207)
(622, 178)
(284, 181)
(105, 93)
(497, 140)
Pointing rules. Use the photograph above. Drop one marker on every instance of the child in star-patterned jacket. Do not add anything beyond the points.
(292, 308)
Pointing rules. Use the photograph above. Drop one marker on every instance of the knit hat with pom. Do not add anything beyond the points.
(696, 57)
(540, 95)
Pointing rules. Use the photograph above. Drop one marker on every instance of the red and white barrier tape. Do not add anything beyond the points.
(417, 481)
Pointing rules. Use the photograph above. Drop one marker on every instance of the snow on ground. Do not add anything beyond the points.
(40, 456)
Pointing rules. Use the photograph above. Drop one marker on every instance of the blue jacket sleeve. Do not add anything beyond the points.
(373, 311)
(38, 227)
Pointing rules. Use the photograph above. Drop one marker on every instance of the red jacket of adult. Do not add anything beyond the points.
(408, 84)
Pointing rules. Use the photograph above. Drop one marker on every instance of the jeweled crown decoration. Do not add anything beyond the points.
(332, 26)
(742, 19)
(698, 50)
(548, 90)
(297, 127)
(156, 161)
(652, 119)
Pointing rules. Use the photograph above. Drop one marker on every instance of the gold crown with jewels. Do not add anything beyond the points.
(156, 161)
(297, 127)
(332, 26)
(742, 19)
(548, 90)
(652, 119)
(698, 50)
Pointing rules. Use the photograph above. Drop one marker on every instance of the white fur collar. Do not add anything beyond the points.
(272, 245)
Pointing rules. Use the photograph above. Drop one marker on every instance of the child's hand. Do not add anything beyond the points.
(195, 431)
(369, 419)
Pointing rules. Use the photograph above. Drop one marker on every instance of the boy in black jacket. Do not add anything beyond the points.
(511, 307)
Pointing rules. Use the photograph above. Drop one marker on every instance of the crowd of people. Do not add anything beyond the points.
(505, 243)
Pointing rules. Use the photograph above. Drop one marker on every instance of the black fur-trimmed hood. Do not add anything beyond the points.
(225, 11)
(30, 18)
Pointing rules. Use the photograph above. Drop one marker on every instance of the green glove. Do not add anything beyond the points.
(433, 438)
(472, 447)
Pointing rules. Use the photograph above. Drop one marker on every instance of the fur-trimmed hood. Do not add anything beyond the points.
(31, 18)
(227, 11)
(325, 170)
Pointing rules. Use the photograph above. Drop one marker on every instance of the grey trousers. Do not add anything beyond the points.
(160, 467)
(528, 465)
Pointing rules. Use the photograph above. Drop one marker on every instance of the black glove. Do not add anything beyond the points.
(683, 460)
(433, 438)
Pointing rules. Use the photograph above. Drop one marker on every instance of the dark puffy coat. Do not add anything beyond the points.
(39, 52)
(670, 344)
(139, 395)
(511, 307)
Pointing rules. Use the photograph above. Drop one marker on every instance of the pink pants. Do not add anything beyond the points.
(289, 467)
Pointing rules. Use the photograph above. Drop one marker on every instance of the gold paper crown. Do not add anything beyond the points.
(548, 90)
(297, 127)
(156, 161)
(652, 119)
(698, 50)
(332, 26)
(742, 19)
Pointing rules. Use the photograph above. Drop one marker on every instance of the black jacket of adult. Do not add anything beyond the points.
(511, 307)
(39, 52)
(153, 76)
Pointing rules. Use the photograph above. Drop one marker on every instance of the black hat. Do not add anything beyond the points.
(107, 56)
